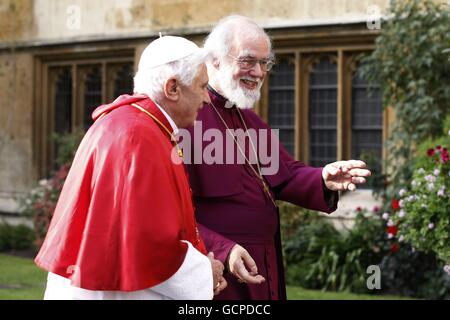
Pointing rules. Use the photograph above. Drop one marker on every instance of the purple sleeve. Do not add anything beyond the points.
(216, 243)
(305, 188)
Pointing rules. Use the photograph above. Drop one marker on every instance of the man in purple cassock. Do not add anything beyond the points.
(235, 194)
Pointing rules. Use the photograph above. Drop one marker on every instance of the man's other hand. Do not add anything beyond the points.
(242, 265)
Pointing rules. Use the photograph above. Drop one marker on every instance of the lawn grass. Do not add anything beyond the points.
(299, 293)
(21, 279)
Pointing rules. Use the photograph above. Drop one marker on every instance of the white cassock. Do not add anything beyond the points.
(192, 281)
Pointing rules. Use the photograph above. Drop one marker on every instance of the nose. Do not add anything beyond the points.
(257, 71)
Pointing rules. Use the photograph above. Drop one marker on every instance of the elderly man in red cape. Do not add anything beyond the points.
(124, 225)
(238, 217)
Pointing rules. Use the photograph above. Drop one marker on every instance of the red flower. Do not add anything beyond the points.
(376, 209)
(444, 155)
(430, 152)
(395, 204)
(358, 209)
(394, 247)
(438, 148)
(392, 230)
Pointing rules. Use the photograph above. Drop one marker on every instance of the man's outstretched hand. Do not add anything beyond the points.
(345, 175)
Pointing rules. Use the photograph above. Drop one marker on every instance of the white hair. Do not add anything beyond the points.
(151, 81)
(223, 35)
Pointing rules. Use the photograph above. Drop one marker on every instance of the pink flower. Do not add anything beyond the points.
(431, 226)
(444, 155)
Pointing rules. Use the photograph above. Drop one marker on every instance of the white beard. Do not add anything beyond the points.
(242, 97)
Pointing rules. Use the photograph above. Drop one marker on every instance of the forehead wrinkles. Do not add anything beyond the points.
(254, 41)
(252, 51)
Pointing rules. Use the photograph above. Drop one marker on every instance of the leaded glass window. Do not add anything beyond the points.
(123, 81)
(92, 92)
(282, 102)
(62, 99)
(323, 112)
(367, 122)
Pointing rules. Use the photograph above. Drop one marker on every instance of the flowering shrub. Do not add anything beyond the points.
(422, 211)
(319, 256)
(40, 202)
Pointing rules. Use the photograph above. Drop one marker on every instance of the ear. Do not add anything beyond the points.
(172, 89)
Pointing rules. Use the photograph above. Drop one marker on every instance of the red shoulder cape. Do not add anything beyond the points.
(124, 207)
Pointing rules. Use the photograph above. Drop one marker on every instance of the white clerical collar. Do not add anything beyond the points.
(171, 122)
(228, 103)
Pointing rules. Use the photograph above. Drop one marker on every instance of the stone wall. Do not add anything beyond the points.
(16, 99)
(52, 20)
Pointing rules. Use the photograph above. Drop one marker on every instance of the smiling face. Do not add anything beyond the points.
(235, 79)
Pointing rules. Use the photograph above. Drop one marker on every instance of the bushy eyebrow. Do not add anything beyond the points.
(248, 55)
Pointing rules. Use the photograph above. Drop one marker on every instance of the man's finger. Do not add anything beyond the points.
(258, 279)
(360, 172)
(245, 276)
(332, 170)
(358, 180)
(351, 164)
(250, 263)
(222, 284)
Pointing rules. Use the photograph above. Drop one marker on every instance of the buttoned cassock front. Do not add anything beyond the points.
(231, 206)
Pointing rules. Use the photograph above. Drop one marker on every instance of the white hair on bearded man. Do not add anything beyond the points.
(222, 36)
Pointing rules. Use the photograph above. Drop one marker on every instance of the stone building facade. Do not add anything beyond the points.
(59, 59)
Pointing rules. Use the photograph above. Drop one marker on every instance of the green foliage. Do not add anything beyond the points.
(423, 219)
(292, 217)
(12, 237)
(410, 272)
(320, 257)
(411, 64)
(66, 146)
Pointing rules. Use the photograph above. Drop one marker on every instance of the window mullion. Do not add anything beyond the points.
(340, 108)
(75, 100)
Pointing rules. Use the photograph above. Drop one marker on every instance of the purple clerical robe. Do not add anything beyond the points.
(232, 207)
